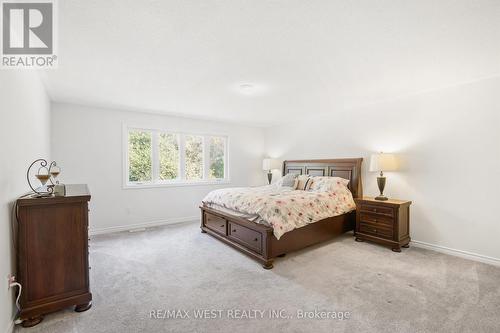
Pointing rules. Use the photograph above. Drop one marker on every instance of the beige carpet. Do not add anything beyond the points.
(178, 268)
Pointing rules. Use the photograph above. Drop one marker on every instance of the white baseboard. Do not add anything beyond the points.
(457, 253)
(108, 230)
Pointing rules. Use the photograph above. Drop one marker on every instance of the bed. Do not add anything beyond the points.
(259, 241)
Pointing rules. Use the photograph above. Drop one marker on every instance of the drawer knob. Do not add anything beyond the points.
(374, 220)
(374, 230)
(256, 239)
(375, 210)
(234, 230)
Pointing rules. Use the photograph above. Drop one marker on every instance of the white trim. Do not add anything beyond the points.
(457, 253)
(174, 183)
(128, 227)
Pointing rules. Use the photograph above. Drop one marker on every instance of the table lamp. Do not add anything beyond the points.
(382, 162)
(269, 164)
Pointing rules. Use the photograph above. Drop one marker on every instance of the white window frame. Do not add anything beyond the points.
(155, 172)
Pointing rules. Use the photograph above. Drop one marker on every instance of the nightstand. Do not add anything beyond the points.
(384, 222)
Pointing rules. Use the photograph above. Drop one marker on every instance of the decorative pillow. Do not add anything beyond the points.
(328, 184)
(303, 182)
(287, 180)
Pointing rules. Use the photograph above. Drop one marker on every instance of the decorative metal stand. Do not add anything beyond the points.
(44, 174)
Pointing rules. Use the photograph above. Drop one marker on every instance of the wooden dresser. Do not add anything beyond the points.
(52, 254)
(385, 222)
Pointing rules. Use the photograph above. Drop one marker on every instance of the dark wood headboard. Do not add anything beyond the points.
(348, 168)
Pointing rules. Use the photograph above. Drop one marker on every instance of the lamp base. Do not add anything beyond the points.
(269, 176)
(381, 186)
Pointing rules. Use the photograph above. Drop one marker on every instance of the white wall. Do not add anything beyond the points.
(24, 137)
(87, 142)
(449, 142)
(447, 139)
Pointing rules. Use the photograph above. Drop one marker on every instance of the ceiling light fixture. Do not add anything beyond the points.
(249, 89)
(246, 88)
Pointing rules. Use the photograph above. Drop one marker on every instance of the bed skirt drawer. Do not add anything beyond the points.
(216, 223)
(250, 238)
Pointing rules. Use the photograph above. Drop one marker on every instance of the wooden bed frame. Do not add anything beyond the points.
(258, 240)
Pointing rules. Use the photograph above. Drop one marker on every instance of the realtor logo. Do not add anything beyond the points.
(28, 34)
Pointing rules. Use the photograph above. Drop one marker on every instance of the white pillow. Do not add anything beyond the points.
(328, 184)
(287, 180)
(303, 182)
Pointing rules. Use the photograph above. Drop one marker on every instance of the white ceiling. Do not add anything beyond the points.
(188, 57)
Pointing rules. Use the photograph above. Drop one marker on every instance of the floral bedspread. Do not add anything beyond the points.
(283, 209)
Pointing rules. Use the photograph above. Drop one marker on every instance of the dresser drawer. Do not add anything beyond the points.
(376, 219)
(376, 230)
(245, 236)
(215, 223)
(377, 209)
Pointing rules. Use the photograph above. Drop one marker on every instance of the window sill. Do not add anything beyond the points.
(129, 186)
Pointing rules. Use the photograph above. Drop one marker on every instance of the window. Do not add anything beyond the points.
(168, 151)
(194, 157)
(156, 157)
(217, 150)
(139, 153)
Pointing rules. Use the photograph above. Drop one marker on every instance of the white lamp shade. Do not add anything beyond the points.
(383, 162)
(270, 164)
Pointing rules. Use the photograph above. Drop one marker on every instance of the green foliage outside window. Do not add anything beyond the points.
(194, 157)
(139, 153)
(169, 156)
(216, 148)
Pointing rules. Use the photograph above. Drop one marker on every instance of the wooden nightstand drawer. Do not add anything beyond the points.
(377, 225)
(377, 209)
(377, 230)
(385, 222)
(377, 219)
